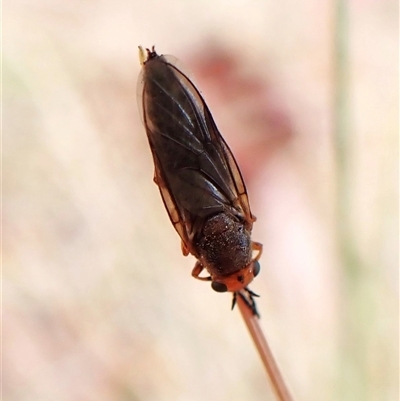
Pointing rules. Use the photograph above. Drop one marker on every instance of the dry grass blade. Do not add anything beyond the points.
(263, 349)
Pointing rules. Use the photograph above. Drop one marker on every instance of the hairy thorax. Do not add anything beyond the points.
(225, 246)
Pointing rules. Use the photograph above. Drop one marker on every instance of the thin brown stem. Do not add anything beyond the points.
(263, 349)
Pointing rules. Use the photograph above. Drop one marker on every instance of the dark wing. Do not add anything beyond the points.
(194, 168)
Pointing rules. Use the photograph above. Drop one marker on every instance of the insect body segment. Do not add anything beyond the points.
(199, 180)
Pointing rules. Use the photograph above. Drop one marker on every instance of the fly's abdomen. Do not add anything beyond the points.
(175, 119)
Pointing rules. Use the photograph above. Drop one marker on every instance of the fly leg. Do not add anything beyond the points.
(248, 299)
(185, 249)
(197, 269)
(256, 246)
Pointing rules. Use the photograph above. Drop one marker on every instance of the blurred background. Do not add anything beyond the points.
(98, 301)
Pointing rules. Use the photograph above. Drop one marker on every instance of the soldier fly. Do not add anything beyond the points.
(198, 178)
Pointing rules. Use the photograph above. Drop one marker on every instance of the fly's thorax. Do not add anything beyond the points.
(224, 246)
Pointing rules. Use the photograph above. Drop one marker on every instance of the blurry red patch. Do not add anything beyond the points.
(256, 120)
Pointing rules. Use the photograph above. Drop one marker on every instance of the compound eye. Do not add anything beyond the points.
(219, 287)
(256, 268)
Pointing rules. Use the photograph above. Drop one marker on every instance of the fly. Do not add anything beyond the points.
(198, 178)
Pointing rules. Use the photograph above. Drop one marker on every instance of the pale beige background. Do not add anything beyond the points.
(98, 302)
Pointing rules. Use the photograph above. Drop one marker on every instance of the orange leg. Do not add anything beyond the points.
(256, 246)
(197, 269)
(184, 248)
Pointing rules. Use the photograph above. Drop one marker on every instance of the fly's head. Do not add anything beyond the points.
(237, 281)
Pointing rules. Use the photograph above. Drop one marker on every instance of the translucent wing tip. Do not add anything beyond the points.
(146, 54)
(142, 55)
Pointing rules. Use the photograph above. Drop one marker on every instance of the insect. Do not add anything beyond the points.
(198, 178)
